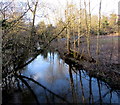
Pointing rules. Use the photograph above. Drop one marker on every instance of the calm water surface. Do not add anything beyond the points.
(73, 85)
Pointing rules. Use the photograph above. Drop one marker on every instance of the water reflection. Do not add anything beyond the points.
(60, 78)
(48, 79)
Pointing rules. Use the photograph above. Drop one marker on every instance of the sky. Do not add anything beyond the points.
(108, 6)
(56, 8)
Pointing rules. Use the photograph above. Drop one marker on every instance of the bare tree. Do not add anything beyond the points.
(33, 11)
(79, 27)
(99, 26)
(67, 29)
(87, 27)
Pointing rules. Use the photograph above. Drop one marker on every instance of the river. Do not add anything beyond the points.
(63, 84)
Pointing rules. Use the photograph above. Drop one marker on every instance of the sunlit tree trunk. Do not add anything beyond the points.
(79, 27)
(74, 43)
(87, 27)
(99, 26)
(33, 11)
(73, 33)
(68, 39)
(67, 30)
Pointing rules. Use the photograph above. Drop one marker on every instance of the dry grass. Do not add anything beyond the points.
(108, 68)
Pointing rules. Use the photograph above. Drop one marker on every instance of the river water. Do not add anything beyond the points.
(72, 85)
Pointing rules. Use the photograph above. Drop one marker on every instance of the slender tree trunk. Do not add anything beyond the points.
(31, 41)
(87, 29)
(74, 43)
(99, 26)
(67, 30)
(33, 23)
(79, 27)
(68, 39)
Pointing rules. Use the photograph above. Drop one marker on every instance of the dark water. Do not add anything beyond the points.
(75, 86)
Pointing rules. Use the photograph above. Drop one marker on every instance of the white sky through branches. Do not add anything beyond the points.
(56, 7)
(108, 6)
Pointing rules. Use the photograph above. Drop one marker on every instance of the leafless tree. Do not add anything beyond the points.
(99, 26)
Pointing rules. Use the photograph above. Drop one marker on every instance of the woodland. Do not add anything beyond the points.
(83, 40)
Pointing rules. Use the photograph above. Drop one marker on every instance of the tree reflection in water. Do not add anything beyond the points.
(72, 85)
(50, 80)
(81, 85)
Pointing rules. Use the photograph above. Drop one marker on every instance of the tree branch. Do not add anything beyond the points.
(21, 77)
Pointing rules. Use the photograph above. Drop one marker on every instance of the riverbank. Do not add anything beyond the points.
(108, 66)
